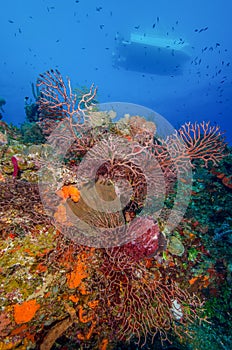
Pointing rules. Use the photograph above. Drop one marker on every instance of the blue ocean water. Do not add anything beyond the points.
(80, 38)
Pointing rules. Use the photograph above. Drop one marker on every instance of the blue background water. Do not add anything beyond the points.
(78, 38)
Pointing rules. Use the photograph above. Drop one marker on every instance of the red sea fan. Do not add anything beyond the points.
(199, 141)
(136, 302)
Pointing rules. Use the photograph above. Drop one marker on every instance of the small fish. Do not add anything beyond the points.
(20, 30)
(217, 44)
(177, 22)
(154, 25)
(98, 8)
(196, 30)
(77, 1)
(101, 26)
(137, 27)
(57, 40)
(206, 28)
(157, 19)
(10, 21)
(228, 64)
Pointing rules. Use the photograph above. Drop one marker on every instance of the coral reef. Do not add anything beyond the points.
(79, 272)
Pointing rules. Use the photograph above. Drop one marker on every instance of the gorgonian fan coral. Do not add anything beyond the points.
(201, 141)
(86, 127)
(141, 166)
(20, 213)
(138, 302)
